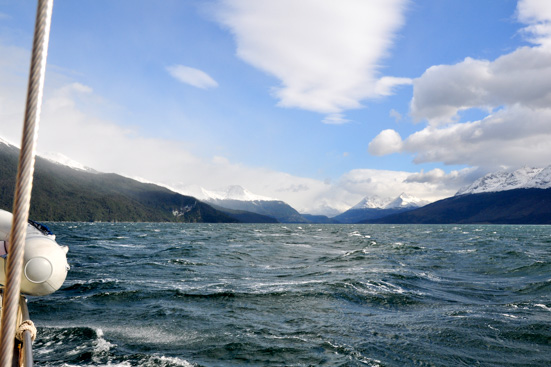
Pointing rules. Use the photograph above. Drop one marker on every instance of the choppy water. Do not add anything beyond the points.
(290, 295)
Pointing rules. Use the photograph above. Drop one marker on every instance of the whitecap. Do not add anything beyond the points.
(543, 306)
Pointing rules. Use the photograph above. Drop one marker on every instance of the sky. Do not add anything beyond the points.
(319, 103)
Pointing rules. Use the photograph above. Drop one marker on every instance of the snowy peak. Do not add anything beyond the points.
(401, 202)
(5, 142)
(66, 161)
(372, 202)
(237, 198)
(542, 180)
(234, 192)
(523, 178)
(405, 201)
(57, 158)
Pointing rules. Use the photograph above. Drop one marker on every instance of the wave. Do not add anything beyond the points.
(87, 347)
(71, 344)
(535, 268)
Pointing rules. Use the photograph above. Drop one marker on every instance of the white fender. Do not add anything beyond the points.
(44, 264)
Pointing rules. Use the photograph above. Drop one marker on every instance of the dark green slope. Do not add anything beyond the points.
(367, 214)
(520, 206)
(245, 216)
(279, 210)
(320, 219)
(61, 193)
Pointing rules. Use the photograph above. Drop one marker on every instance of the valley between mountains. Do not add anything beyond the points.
(65, 193)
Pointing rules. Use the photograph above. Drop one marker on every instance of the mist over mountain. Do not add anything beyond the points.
(67, 191)
(237, 198)
(64, 193)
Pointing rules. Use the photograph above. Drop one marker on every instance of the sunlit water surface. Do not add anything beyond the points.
(298, 295)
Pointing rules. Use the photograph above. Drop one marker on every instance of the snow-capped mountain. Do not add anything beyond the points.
(57, 158)
(523, 178)
(66, 161)
(402, 201)
(233, 192)
(372, 202)
(5, 142)
(406, 201)
(373, 207)
(237, 198)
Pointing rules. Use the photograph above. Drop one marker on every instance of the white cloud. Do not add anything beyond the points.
(192, 76)
(386, 85)
(71, 127)
(521, 77)
(512, 137)
(397, 116)
(387, 142)
(513, 90)
(324, 52)
(363, 182)
(537, 14)
(453, 180)
(335, 119)
(108, 147)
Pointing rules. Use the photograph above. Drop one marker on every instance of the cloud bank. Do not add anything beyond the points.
(325, 53)
(513, 90)
(69, 129)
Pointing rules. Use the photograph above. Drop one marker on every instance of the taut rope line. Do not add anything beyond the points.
(23, 186)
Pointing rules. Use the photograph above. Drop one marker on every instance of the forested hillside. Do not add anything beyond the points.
(61, 193)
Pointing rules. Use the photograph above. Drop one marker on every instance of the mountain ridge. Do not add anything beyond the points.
(522, 196)
(522, 178)
(515, 206)
(373, 207)
(62, 193)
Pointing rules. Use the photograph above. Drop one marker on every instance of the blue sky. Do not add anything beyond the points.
(318, 103)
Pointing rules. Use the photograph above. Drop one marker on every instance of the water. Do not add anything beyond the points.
(298, 295)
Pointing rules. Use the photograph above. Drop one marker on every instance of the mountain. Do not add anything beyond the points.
(237, 198)
(405, 201)
(233, 192)
(514, 206)
(519, 197)
(63, 193)
(372, 202)
(320, 219)
(246, 216)
(523, 178)
(373, 207)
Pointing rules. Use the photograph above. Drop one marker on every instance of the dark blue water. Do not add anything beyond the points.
(290, 295)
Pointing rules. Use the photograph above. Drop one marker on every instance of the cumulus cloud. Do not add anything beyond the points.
(537, 14)
(455, 179)
(521, 77)
(512, 137)
(513, 91)
(324, 52)
(387, 142)
(192, 76)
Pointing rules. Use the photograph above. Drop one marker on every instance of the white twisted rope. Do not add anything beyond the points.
(24, 181)
(26, 325)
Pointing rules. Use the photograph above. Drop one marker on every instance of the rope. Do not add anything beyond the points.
(24, 180)
(26, 325)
